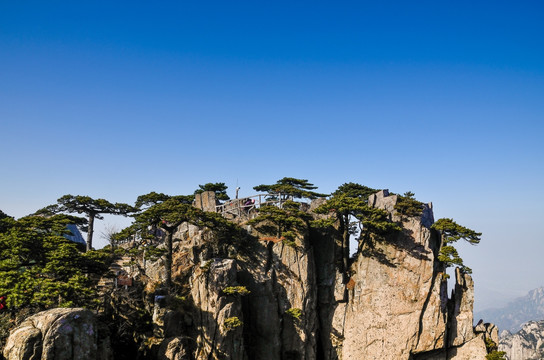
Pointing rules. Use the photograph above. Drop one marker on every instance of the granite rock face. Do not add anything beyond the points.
(59, 334)
(527, 344)
(219, 321)
(395, 305)
(280, 310)
(391, 304)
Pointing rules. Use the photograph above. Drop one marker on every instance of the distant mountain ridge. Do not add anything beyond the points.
(519, 311)
(527, 344)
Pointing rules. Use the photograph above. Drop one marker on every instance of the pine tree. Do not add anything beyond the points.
(451, 232)
(349, 208)
(220, 190)
(290, 188)
(408, 206)
(168, 215)
(282, 223)
(93, 208)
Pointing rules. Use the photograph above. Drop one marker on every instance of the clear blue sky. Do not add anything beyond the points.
(116, 99)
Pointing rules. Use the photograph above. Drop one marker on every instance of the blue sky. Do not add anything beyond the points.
(443, 99)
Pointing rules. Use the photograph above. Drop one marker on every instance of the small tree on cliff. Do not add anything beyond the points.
(407, 205)
(168, 215)
(290, 188)
(281, 223)
(93, 208)
(349, 208)
(220, 190)
(451, 232)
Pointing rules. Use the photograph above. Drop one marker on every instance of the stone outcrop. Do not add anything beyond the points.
(395, 304)
(59, 334)
(392, 303)
(527, 344)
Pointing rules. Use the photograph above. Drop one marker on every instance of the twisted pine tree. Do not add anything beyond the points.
(349, 207)
(450, 233)
(290, 188)
(93, 208)
(167, 215)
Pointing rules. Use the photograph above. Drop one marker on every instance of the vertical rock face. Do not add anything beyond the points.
(219, 320)
(280, 311)
(461, 328)
(527, 344)
(394, 306)
(58, 334)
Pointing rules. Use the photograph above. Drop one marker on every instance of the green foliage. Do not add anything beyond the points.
(352, 204)
(348, 207)
(40, 268)
(153, 253)
(450, 257)
(6, 222)
(168, 215)
(224, 231)
(290, 243)
(295, 313)
(452, 232)
(492, 349)
(93, 208)
(407, 205)
(284, 222)
(354, 190)
(291, 188)
(153, 198)
(220, 190)
(496, 355)
(232, 323)
(126, 234)
(87, 205)
(490, 345)
(236, 290)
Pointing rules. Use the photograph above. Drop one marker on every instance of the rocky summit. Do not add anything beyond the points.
(256, 296)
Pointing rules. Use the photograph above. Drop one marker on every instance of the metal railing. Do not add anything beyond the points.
(237, 207)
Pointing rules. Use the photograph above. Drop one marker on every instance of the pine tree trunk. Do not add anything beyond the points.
(168, 262)
(345, 248)
(90, 231)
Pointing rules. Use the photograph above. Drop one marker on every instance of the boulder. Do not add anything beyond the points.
(59, 334)
(174, 349)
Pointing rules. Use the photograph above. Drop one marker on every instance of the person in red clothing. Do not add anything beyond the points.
(3, 305)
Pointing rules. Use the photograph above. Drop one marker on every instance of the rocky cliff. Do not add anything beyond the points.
(262, 298)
